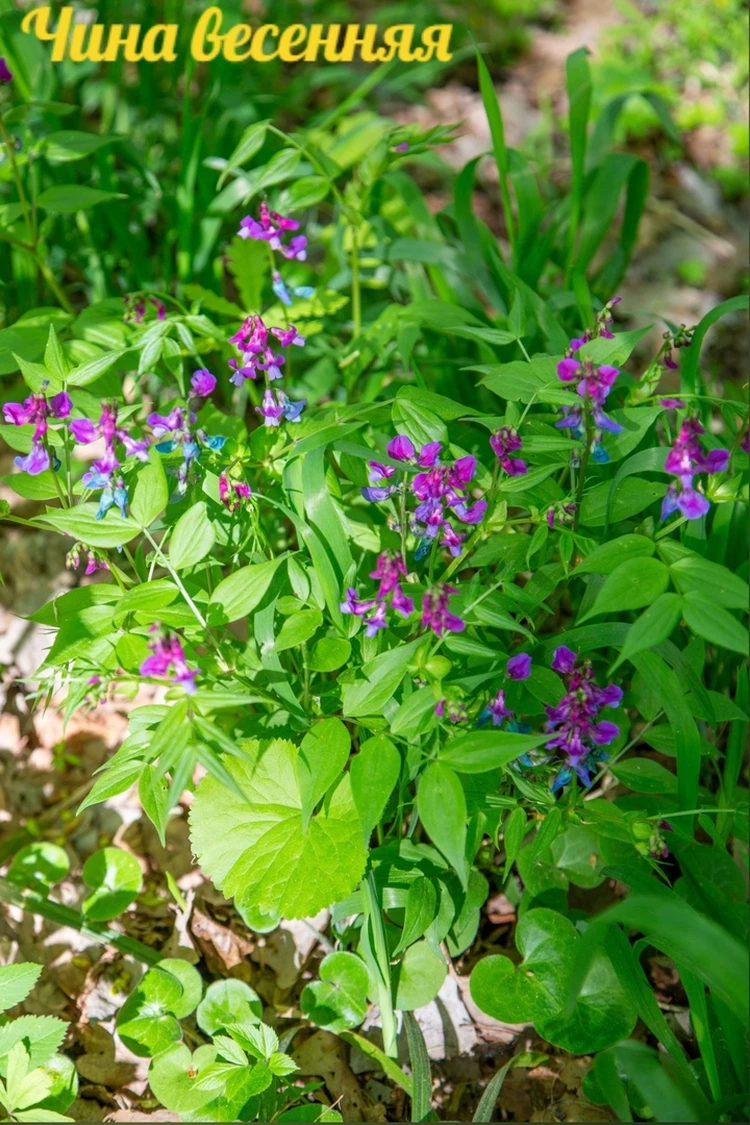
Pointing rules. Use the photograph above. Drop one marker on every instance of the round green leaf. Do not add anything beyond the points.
(146, 1022)
(192, 985)
(227, 1002)
(536, 991)
(339, 999)
(115, 879)
(329, 653)
(173, 1074)
(257, 844)
(39, 866)
(418, 977)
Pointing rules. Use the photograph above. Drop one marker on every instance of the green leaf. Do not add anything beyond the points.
(633, 584)
(226, 1003)
(644, 775)
(114, 877)
(192, 538)
(192, 985)
(90, 372)
(713, 622)
(16, 982)
(374, 773)
(237, 595)
(693, 573)
(483, 750)
(173, 1075)
(322, 756)
(146, 1022)
(151, 492)
(153, 793)
(691, 356)
(256, 849)
(298, 628)
(42, 1035)
(418, 977)
(670, 692)
(654, 626)
(72, 144)
(54, 357)
(338, 1000)
(536, 991)
(514, 831)
(81, 523)
(382, 677)
(39, 866)
(608, 556)
(67, 198)
(329, 653)
(442, 810)
(632, 496)
(420, 912)
(577, 852)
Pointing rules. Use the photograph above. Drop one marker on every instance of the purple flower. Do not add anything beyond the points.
(672, 403)
(471, 515)
(376, 495)
(573, 724)
(6, 75)
(168, 658)
(452, 540)
(435, 613)
(36, 409)
(271, 409)
(233, 492)
(569, 369)
(376, 621)
(389, 569)
(563, 660)
(401, 603)
(203, 382)
(400, 448)
(519, 667)
(289, 336)
(505, 442)
(451, 709)
(403, 146)
(496, 710)
(429, 454)
(352, 604)
(271, 227)
(686, 458)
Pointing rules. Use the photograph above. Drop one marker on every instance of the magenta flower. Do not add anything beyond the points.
(85, 431)
(233, 492)
(251, 340)
(686, 458)
(271, 227)
(400, 448)
(576, 733)
(203, 382)
(563, 660)
(288, 337)
(519, 667)
(451, 709)
(389, 570)
(672, 403)
(376, 621)
(505, 442)
(353, 604)
(6, 74)
(274, 408)
(435, 613)
(35, 410)
(496, 710)
(168, 659)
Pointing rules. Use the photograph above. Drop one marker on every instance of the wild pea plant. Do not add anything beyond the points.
(425, 573)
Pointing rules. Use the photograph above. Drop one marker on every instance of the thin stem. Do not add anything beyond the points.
(356, 292)
(56, 912)
(16, 175)
(164, 561)
(584, 462)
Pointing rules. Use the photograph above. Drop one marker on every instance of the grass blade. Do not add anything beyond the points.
(421, 1108)
(497, 131)
(578, 84)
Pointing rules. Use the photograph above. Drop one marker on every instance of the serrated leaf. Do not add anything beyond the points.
(254, 847)
(16, 982)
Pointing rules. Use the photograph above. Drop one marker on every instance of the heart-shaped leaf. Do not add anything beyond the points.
(339, 999)
(536, 991)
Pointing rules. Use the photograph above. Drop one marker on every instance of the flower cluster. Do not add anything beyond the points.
(441, 491)
(94, 559)
(256, 352)
(271, 227)
(602, 326)
(389, 570)
(136, 306)
(593, 386)
(168, 659)
(505, 442)
(576, 733)
(517, 668)
(435, 613)
(176, 428)
(233, 492)
(105, 473)
(36, 409)
(686, 458)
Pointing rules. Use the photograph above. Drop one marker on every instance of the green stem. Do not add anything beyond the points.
(356, 292)
(582, 471)
(56, 912)
(16, 175)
